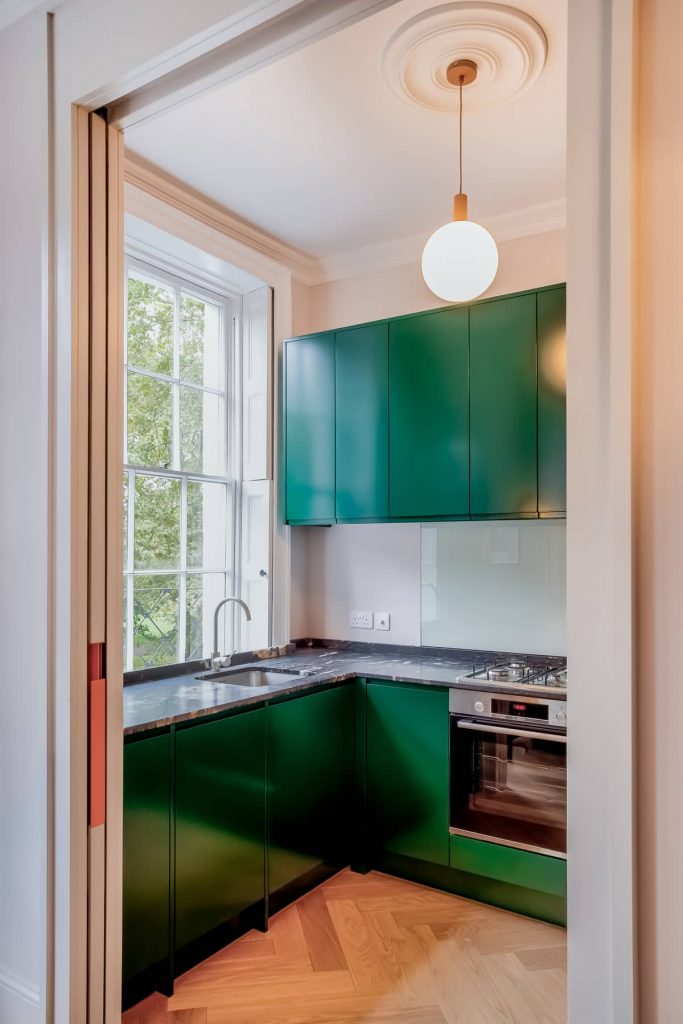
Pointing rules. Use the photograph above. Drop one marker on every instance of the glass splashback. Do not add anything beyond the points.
(495, 586)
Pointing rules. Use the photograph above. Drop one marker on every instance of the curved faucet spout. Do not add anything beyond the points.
(216, 660)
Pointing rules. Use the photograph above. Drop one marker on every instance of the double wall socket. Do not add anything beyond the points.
(369, 620)
(361, 620)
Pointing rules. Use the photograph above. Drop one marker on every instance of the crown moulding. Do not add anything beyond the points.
(309, 269)
(509, 48)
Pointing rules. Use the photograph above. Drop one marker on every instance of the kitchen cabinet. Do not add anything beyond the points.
(407, 771)
(147, 833)
(310, 784)
(451, 414)
(552, 402)
(309, 425)
(362, 423)
(503, 409)
(429, 444)
(220, 824)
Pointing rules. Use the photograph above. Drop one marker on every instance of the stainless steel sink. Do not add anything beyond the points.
(253, 677)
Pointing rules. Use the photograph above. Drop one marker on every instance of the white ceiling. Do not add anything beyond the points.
(318, 151)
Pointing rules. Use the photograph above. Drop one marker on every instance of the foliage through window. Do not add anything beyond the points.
(179, 492)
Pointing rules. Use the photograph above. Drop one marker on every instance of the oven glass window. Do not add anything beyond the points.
(509, 787)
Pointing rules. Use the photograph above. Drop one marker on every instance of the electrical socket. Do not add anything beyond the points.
(382, 620)
(361, 620)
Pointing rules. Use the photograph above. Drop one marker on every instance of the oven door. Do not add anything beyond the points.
(509, 785)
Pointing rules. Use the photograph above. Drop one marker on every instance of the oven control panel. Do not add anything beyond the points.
(529, 709)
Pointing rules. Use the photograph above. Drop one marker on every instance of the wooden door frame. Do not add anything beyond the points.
(602, 40)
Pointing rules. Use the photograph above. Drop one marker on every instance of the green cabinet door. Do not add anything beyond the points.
(146, 855)
(429, 449)
(407, 771)
(220, 823)
(503, 413)
(309, 429)
(310, 783)
(362, 436)
(552, 401)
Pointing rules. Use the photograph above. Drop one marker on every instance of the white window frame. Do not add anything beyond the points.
(179, 276)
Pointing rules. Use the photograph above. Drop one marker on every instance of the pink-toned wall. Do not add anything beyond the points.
(659, 465)
(528, 262)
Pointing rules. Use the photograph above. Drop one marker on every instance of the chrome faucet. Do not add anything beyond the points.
(217, 661)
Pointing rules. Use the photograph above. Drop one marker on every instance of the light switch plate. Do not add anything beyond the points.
(361, 620)
(382, 620)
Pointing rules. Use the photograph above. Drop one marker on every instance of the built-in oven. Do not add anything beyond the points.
(509, 770)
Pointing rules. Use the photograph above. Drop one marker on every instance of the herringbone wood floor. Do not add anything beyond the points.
(377, 949)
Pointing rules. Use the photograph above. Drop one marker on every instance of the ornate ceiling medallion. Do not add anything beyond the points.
(508, 46)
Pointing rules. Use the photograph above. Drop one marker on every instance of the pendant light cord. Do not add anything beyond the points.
(460, 134)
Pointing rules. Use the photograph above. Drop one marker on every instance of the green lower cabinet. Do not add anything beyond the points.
(528, 883)
(220, 824)
(310, 784)
(407, 771)
(146, 863)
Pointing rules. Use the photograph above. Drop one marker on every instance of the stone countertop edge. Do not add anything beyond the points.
(152, 702)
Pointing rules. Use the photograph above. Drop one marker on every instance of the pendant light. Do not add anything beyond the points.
(460, 260)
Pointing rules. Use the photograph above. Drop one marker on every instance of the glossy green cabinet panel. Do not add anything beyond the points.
(552, 401)
(362, 403)
(310, 783)
(506, 864)
(503, 414)
(429, 449)
(407, 771)
(146, 853)
(310, 429)
(220, 822)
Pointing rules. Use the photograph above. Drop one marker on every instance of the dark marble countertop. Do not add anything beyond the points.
(157, 702)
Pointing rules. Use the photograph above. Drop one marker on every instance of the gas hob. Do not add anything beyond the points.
(521, 673)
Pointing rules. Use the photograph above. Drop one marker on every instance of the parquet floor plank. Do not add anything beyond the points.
(370, 949)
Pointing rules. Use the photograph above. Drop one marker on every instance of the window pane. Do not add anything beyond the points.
(125, 520)
(150, 326)
(155, 621)
(150, 421)
(206, 509)
(202, 447)
(204, 591)
(200, 361)
(157, 522)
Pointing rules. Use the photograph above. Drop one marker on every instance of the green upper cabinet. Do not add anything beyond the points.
(362, 437)
(429, 445)
(552, 402)
(309, 422)
(407, 771)
(503, 408)
(310, 783)
(449, 414)
(220, 823)
(146, 855)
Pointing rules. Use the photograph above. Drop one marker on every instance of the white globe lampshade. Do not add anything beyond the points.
(459, 261)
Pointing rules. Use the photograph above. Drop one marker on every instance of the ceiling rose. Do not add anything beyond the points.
(508, 46)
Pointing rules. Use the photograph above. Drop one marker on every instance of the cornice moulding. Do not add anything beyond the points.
(182, 198)
(532, 220)
(308, 269)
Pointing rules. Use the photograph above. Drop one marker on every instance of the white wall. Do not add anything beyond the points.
(24, 574)
(377, 567)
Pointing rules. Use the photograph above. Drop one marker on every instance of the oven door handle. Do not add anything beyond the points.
(523, 733)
